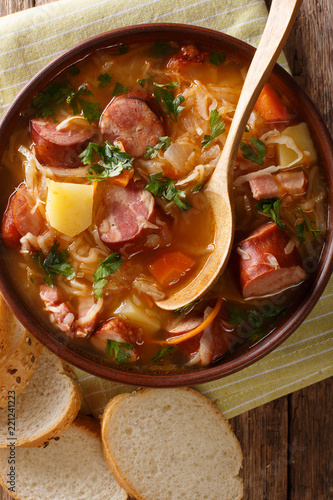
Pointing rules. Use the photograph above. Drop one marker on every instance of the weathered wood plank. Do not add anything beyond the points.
(263, 435)
(11, 6)
(311, 443)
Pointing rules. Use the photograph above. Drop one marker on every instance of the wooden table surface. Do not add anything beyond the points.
(288, 443)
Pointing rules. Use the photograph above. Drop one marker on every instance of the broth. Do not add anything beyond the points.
(108, 213)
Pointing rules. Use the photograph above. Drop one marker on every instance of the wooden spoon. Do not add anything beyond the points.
(219, 187)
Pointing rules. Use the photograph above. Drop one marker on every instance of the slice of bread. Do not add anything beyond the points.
(19, 354)
(171, 444)
(71, 468)
(46, 406)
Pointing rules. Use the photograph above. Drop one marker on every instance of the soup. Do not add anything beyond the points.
(107, 213)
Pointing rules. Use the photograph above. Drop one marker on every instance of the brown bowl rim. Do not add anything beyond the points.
(281, 79)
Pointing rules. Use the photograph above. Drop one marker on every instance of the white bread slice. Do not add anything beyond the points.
(47, 405)
(171, 444)
(19, 354)
(72, 468)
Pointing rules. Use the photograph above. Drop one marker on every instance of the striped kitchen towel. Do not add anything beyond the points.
(31, 38)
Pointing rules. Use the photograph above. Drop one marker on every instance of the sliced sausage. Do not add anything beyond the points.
(187, 54)
(268, 263)
(124, 213)
(133, 120)
(276, 186)
(59, 148)
(21, 217)
(61, 315)
(119, 330)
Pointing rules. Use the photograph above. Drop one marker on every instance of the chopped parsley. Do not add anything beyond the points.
(255, 154)
(113, 161)
(197, 187)
(46, 102)
(165, 351)
(217, 58)
(74, 70)
(91, 110)
(163, 143)
(304, 226)
(119, 89)
(165, 188)
(119, 350)
(254, 318)
(55, 263)
(107, 267)
(160, 49)
(184, 308)
(172, 105)
(104, 79)
(271, 207)
(119, 50)
(217, 127)
(145, 81)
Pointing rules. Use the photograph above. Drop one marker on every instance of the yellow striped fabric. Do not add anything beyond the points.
(31, 38)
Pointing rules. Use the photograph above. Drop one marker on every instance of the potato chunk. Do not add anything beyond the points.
(140, 317)
(69, 206)
(302, 138)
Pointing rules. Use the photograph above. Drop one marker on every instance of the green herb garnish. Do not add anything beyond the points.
(144, 81)
(163, 143)
(74, 70)
(113, 161)
(55, 263)
(217, 127)
(165, 351)
(172, 104)
(160, 49)
(257, 154)
(107, 267)
(184, 308)
(271, 207)
(304, 226)
(91, 110)
(119, 50)
(46, 102)
(217, 58)
(164, 187)
(118, 350)
(197, 188)
(254, 318)
(104, 79)
(119, 89)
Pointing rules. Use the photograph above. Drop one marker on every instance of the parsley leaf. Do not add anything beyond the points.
(304, 226)
(257, 154)
(217, 127)
(113, 161)
(160, 49)
(119, 89)
(46, 102)
(217, 58)
(144, 81)
(109, 266)
(197, 188)
(118, 350)
(91, 110)
(163, 143)
(55, 263)
(165, 351)
(271, 207)
(171, 104)
(183, 309)
(74, 70)
(119, 50)
(104, 80)
(165, 188)
(254, 318)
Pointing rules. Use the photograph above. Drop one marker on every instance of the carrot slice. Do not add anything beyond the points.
(170, 267)
(270, 106)
(123, 178)
(198, 329)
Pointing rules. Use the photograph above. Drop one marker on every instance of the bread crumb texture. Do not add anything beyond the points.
(171, 444)
(69, 468)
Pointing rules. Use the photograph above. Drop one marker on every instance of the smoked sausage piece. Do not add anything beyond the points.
(21, 217)
(276, 186)
(59, 148)
(269, 262)
(132, 120)
(124, 213)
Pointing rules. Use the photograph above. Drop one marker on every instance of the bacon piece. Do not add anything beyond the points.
(63, 316)
(59, 148)
(276, 186)
(266, 264)
(187, 54)
(133, 120)
(119, 330)
(21, 217)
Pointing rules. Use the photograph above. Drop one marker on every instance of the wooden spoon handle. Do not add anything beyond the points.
(279, 23)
